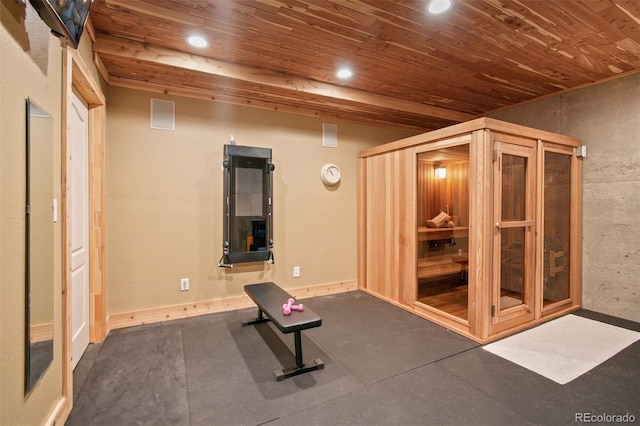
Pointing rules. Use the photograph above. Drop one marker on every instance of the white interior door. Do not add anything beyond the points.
(79, 190)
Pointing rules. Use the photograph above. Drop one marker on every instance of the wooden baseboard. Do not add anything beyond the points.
(60, 413)
(167, 313)
(40, 332)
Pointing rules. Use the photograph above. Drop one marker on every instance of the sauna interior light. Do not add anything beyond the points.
(441, 172)
(197, 41)
(344, 73)
(439, 6)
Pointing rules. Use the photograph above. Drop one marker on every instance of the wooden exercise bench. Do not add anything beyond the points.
(270, 298)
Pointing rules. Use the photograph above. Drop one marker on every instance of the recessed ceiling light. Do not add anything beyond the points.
(439, 6)
(197, 41)
(344, 73)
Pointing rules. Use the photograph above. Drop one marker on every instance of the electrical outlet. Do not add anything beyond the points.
(296, 272)
(184, 284)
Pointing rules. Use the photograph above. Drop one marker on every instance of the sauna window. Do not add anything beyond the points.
(557, 214)
(512, 267)
(512, 260)
(443, 229)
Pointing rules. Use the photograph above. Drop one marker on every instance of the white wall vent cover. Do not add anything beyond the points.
(330, 135)
(163, 115)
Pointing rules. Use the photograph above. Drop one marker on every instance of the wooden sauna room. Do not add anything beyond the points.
(476, 227)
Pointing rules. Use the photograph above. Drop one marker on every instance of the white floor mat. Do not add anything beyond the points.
(565, 348)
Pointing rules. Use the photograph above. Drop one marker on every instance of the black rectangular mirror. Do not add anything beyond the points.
(248, 201)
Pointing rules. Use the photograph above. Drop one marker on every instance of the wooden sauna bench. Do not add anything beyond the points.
(434, 266)
(430, 234)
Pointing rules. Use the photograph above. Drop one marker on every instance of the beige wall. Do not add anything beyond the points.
(30, 66)
(607, 119)
(164, 200)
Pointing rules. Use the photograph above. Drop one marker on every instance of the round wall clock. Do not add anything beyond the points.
(330, 174)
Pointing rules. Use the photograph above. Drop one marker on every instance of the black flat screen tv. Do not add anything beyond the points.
(66, 18)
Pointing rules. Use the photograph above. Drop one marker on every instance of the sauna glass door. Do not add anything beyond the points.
(557, 228)
(513, 238)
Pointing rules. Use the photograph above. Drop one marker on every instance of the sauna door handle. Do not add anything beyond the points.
(515, 224)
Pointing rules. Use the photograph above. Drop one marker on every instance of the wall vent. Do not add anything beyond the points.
(330, 135)
(163, 114)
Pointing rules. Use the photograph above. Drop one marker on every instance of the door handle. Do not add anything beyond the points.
(516, 224)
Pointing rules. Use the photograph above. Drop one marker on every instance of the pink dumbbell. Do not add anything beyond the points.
(289, 306)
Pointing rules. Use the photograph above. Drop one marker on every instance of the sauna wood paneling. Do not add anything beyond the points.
(437, 194)
(390, 226)
(389, 216)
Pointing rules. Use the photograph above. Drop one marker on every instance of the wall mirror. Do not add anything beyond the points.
(39, 244)
(247, 235)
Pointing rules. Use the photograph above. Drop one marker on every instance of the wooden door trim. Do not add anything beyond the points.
(75, 74)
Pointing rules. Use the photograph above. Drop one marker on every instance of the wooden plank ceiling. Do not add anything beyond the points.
(411, 69)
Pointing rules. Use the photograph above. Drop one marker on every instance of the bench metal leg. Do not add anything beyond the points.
(298, 340)
(259, 320)
(300, 368)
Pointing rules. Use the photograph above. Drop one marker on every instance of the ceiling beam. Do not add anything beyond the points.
(258, 103)
(129, 49)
